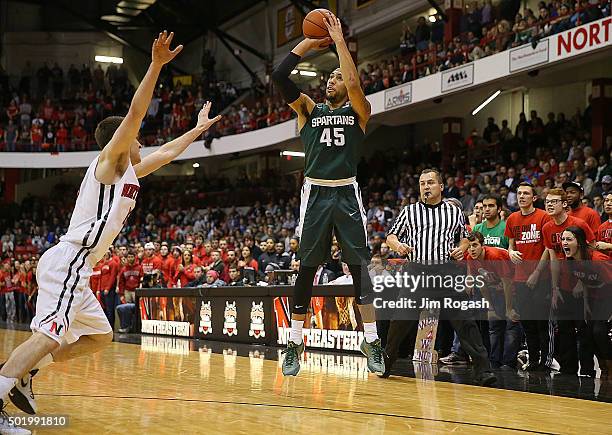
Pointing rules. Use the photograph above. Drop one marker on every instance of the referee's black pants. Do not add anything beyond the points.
(463, 323)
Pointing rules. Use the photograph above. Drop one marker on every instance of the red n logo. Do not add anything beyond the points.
(56, 329)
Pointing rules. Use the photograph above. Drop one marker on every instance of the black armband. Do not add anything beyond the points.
(280, 77)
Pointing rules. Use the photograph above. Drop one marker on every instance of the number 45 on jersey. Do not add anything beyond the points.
(337, 139)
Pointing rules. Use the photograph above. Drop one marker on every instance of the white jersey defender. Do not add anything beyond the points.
(66, 306)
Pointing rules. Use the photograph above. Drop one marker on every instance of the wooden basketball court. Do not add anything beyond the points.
(159, 387)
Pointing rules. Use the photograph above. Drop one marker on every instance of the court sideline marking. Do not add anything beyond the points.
(311, 408)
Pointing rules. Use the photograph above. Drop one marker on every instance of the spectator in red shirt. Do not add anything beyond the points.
(167, 265)
(150, 261)
(129, 278)
(494, 266)
(205, 252)
(47, 110)
(108, 284)
(94, 280)
(604, 232)
(247, 260)
(61, 138)
(9, 288)
(79, 135)
(185, 270)
(574, 193)
(531, 277)
(5, 285)
(563, 284)
(198, 249)
(594, 271)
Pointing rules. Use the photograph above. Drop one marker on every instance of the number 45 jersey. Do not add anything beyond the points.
(101, 211)
(332, 142)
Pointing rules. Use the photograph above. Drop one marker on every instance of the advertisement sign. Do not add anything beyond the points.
(332, 322)
(398, 96)
(457, 78)
(165, 327)
(167, 315)
(235, 318)
(526, 56)
(582, 39)
(288, 24)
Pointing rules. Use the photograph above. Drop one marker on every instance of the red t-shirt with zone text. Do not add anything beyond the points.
(526, 230)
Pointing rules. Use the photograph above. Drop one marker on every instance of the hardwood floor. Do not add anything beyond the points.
(159, 387)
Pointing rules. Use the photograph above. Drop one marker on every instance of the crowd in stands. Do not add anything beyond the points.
(55, 111)
(544, 154)
(485, 29)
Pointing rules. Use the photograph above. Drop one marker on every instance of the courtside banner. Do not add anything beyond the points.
(167, 315)
(235, 318)
(332, 322)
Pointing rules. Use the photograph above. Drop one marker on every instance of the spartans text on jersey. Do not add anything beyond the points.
(333, 120)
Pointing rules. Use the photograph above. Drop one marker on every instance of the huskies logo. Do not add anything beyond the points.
(205, 319)
(230, 316)
(257, 321)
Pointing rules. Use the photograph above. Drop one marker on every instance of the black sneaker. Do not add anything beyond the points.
(485, 379)
(388, 363)
(22, 395)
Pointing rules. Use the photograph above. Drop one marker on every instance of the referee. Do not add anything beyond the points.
(428, 233)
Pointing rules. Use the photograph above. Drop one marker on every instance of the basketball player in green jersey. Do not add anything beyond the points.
(332, 133)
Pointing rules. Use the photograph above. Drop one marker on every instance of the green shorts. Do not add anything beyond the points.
(332, 210)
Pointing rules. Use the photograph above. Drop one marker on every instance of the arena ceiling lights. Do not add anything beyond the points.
(485, 102)
(108, 59)
(304, 73)
(293, 153)
(126, 10)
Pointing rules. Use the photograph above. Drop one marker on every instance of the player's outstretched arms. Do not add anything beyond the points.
(301, 103)
(171, 150)
(350, 76)
(118, 149)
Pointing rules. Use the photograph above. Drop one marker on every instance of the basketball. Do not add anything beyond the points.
(314, 24)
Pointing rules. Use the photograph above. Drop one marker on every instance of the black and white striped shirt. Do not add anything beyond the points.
(432, 230)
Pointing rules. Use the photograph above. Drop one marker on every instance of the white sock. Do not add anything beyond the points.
(44, 362)
(296, 331)
(370, 332)
(6, 385)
